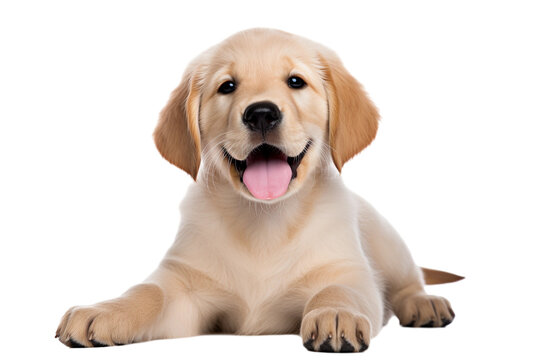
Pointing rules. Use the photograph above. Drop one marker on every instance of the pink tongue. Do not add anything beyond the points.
(267, 178)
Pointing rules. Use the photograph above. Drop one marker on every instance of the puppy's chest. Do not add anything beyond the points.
(258, 280)
(264, 264)
(267, 302)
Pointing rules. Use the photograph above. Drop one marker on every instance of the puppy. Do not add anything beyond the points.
(270, 240)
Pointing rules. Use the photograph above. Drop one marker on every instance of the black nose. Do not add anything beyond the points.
(262, 116)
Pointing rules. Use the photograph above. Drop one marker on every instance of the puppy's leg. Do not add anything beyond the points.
(415, 308)
(341, 319)
(119, 321)
(404, 285)
(168, 305)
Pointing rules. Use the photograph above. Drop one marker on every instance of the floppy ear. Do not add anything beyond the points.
(177, 135)
(353, 119)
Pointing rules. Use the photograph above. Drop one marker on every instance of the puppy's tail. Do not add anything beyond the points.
(434, 277)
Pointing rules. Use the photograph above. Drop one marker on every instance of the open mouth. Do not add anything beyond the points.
(267, 171)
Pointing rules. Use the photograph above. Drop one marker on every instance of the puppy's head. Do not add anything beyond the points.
(265, 109)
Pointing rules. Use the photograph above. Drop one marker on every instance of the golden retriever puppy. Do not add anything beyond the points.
(270, 240)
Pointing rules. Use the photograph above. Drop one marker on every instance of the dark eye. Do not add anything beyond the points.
(296, 82)
(227, 87)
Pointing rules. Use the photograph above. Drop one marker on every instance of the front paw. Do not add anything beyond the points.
(335, 330)
(94, 326)
(421, 310)
(115, 322)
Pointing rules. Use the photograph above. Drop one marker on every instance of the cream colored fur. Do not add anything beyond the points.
(319, 261)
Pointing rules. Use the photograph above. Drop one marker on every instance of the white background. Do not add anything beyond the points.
(88, 207)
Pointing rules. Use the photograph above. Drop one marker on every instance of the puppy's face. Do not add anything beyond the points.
(262, 110)
(263, 115)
